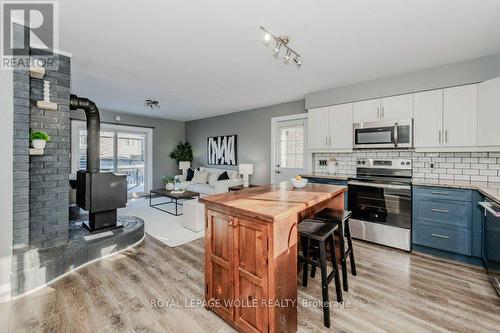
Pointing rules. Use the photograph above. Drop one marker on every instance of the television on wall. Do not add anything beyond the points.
(222, 150)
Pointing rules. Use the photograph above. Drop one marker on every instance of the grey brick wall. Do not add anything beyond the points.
(21, 153)
(48, 174)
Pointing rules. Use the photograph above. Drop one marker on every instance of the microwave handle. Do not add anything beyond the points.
(395, 134)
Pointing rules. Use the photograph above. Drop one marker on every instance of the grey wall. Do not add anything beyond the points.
(459, 73)
(166, 135)
(6, 176)
(253, 128)
(48, 173)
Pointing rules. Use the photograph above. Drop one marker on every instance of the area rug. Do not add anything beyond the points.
(166, 228)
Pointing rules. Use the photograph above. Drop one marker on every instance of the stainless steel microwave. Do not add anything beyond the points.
(384, 134)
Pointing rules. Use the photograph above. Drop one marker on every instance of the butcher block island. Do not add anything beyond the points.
(251, 252)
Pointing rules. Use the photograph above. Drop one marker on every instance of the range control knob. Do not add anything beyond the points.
(364, 162)
(359, 162)
(408, 163)
(402, 163)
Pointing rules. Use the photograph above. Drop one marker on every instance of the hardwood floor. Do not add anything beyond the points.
(393, 292)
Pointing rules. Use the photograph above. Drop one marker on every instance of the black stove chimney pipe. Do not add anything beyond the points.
(93, 130)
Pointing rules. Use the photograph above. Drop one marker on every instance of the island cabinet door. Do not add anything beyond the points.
(251, 281)
(219, 269)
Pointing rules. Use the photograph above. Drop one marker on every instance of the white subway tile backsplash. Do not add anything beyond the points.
(488, 172)
(487, 160)
(474, 166)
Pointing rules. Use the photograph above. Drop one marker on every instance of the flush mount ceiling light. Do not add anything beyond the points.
(280, 43)
(151, 104)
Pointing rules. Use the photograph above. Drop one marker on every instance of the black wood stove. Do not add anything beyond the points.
(99, 193)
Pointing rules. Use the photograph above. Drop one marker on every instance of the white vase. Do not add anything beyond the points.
(169, 186)
(39, 144)
(332, 168)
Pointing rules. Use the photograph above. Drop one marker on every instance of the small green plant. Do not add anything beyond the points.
(167, 180)
(39, 135)
(182, 152)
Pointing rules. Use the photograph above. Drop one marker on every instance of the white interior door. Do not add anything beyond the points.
(289, 148)
(123, 149)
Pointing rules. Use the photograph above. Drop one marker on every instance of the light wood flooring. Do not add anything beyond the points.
(393, 292)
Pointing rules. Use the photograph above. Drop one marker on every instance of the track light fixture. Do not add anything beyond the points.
(151, 104)
(281, 42)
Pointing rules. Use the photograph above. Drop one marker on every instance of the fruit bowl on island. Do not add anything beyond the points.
(298, 182)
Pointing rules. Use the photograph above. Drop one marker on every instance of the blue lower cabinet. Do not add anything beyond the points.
(447, 220)
(328, 181)
(444, 213)
(452, 240)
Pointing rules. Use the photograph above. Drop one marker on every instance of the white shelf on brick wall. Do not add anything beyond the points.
(37, 72)
(47, 105)
(37, 152)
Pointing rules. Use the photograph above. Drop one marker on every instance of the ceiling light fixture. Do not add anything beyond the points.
(151, 104)
(281, 42)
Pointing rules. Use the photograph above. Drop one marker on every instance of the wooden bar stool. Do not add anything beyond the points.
(340, 218)
(322, 233)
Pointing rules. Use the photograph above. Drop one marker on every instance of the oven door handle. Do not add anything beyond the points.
(378, 185)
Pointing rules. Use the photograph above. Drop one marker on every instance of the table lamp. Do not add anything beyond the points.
(184, 165)
(245, 170)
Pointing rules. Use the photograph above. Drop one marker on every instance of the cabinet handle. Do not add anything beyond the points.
(445, 136)
(440, 210)
(330, 140)
(440, 236)
(382, 116)
(439, 193)
(326, 140)
(439, 136)
(378, 112)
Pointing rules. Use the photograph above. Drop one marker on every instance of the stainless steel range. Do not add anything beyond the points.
(380, 201)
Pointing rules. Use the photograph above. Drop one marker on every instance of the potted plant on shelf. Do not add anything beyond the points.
(182, 152)
(170, 183)
(39, 139)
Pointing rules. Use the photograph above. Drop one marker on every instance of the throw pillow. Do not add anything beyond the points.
(189, 175)
(223, 176)
(199, 177)
(212, 178)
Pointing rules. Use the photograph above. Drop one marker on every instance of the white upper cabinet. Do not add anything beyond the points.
(387, 108)
(396, 107)
(318, 128)
(488, 116)
(330, 128)
(366, 111)
(340, 126)
(428, 120)
(460, 116)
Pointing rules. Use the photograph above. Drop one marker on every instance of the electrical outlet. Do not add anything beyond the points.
(322, 162)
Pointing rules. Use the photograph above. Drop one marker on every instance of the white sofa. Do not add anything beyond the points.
(219, 186)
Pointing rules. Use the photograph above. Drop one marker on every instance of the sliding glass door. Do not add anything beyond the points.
(123, 149)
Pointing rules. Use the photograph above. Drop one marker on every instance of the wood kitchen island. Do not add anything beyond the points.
(251, 252)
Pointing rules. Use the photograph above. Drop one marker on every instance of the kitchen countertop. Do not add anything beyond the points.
(271, 203)
(326, 175)
(489, 189)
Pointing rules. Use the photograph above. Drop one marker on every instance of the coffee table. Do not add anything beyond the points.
(174, 198)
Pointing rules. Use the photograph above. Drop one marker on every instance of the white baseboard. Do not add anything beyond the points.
(5, 292)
